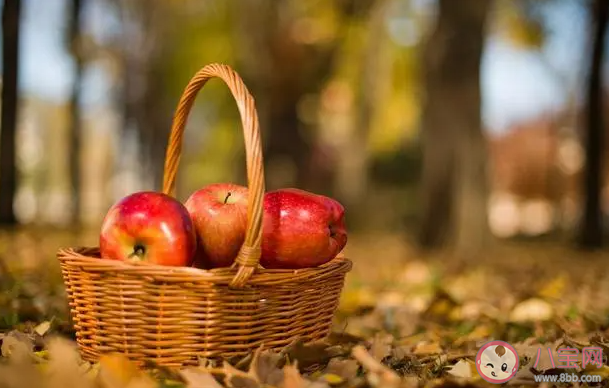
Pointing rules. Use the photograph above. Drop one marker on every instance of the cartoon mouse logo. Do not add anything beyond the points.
(497, 362)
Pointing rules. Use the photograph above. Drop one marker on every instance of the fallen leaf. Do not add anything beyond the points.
(347, 369)
(235, 378)
(332, 379)
(554, 288)
(265, 367)
(463, 368)
(42, 328)
(17, 345)
(199, 378)
(315, 353)
(533, 309)
(344, 339)
(481, 332)
(591, 369)
(292, 377)
(65, 367)
(352, 301)
(440, 308)
(378, 374)
(427, 348)
(381, 346)
(18, 375)
(117, 371)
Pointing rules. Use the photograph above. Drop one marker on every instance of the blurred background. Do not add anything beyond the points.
(446, 124)
(465, 138)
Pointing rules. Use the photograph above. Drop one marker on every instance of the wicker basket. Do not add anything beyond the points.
(173, 316)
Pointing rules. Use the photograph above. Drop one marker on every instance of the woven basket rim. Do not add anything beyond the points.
(88, 257)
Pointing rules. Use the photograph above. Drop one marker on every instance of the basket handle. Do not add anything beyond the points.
(249, 255)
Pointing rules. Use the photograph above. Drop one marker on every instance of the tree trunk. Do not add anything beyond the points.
(591, 229)
(75, 133)
(10, 101)
(454, 158)
(145, 108)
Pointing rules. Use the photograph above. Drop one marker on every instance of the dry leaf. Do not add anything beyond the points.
(554, 288)
(332, 379)
(347, 369)
(381, 346)
(379, 374)
(540, 355)
(65, 367)
(427, 348)
(199, 378)
(265, 367)
(533, 309)
(292, 377)
(315, 353)
(20, 375)
(17, 345)
(42, 328)
(481, 332)
(592, 369)
(117, 371)
(353, 300)
(235, 378)
(464, 368)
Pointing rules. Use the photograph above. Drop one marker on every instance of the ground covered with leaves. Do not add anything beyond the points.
(406, 320)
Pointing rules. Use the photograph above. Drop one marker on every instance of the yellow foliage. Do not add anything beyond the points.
(555, 288)
(517, 27)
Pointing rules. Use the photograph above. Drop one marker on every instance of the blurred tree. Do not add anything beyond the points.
(11, 17)
(74, 39)
(374, 67)
(454, 181)
(287, 52)
(591, 230)
(147, 110)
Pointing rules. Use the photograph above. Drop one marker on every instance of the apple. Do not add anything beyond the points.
(148, 226)
(219, 214)
(301, 229)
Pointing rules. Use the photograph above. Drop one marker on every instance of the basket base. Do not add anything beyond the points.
(184, 360)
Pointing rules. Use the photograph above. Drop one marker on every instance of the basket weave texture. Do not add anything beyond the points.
(173, 316)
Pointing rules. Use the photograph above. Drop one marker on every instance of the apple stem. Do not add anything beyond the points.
(227, 196)
(138, 250)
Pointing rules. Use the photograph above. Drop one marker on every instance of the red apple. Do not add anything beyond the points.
(148, 226)
(301, 229)
(219, 214)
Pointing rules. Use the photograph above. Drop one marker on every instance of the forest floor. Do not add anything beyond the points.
(406, 319)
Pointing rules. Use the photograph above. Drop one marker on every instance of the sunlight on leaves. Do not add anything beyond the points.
(533, 309)
(463, 368)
